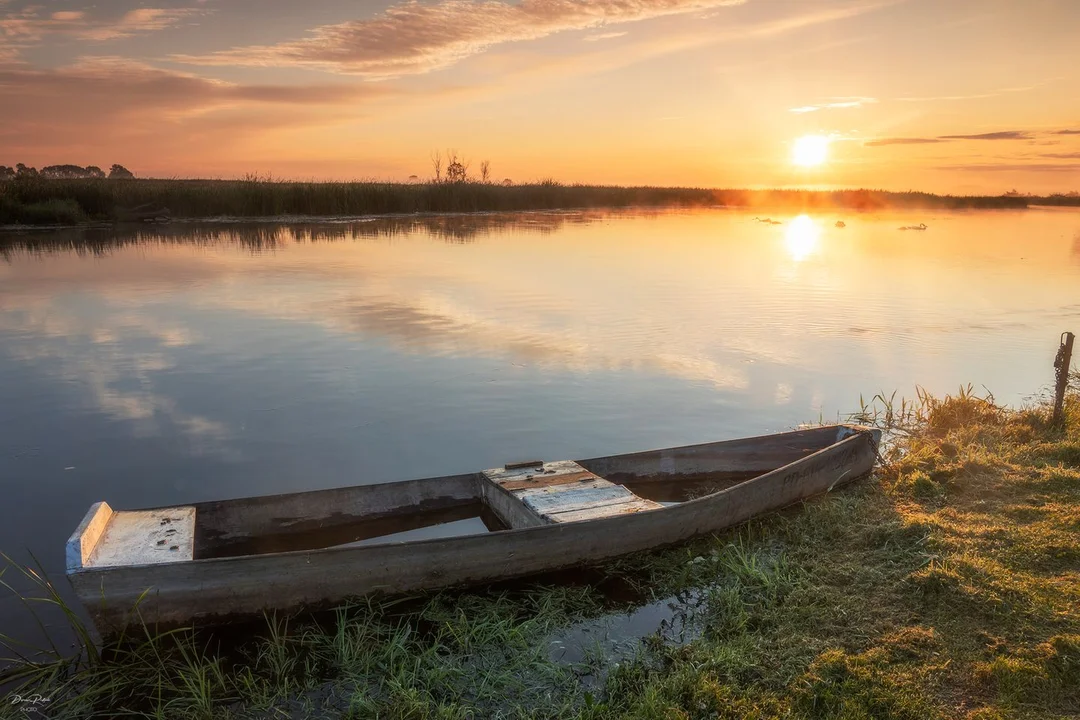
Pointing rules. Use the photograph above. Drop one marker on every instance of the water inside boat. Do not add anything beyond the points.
(672, 492)
(483, 521)
(462, 519)
(468, 518)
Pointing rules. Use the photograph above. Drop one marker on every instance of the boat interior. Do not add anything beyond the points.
(517, 495)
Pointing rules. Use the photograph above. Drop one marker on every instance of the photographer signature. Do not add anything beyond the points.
(30, 703)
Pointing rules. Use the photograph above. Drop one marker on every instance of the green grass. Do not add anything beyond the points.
(948, 586)
(22, 200)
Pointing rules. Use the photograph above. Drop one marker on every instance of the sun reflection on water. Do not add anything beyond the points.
(801, 238)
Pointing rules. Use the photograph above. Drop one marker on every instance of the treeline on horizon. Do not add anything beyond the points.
(55, 196)
(65, 172)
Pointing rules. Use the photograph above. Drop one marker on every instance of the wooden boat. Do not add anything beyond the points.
(209, 561)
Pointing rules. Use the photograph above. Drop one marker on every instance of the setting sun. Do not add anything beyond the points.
(810, 150)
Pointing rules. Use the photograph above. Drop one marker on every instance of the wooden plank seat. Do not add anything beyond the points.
(136, 537)
(563, 491)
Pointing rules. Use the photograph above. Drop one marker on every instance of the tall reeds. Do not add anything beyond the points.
(41, 201)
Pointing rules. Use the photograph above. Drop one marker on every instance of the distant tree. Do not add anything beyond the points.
(485, 171)
(93, 171)
(413, 179)
(64, 172)
(119, 172)
(457, 168)
(507, 182)
(23, 171)
(6, 173)
(436, 165)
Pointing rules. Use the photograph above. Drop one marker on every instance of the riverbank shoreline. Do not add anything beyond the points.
(56, 202)
(946, 586)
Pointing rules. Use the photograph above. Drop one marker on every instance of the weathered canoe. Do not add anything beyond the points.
(212, 560)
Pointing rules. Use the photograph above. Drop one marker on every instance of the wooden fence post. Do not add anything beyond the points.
(1062, 363)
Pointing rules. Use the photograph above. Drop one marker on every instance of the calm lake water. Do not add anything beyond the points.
(195, 362)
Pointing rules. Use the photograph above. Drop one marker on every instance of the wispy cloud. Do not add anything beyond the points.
(835, 104)
(972, 96)
(902, 141)
(413, 38)
(517, 70)
(1062, 156)
(604, 36)
(1015, 167)
(32, 24)
(139, 21)
(1002, 135)
(132, 107)
(1067, 132)
(114, 79)
(8, 54)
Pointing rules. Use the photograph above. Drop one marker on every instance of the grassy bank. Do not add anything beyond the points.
(948, 586)
(45, 201)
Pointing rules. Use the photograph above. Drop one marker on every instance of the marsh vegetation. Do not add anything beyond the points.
(36, 200)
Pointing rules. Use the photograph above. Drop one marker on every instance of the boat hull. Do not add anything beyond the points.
(213, 588)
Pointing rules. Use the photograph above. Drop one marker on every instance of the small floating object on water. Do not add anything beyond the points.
(920, 226)
(144, 213)
(841, 223)
(768, 221)
(281, 552)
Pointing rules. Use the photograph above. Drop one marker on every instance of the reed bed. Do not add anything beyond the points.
(948, 586)
(57, 201)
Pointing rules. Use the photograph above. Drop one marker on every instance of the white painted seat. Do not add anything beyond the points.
(564, 491)
(145, 537)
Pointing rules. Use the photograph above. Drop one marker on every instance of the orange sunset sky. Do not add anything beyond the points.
(962, 96)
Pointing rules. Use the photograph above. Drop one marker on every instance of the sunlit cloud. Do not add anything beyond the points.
(185, 123)
(32, 24)
(972, 96)
(1067, 132)
(607, 58)
(604, 36)
(1015, 167)
(901, 141)
(141, 20)
(118, 97)
(413, 38)
(1003, 135)
(835, 104)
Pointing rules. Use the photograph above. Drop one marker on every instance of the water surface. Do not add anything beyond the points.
(196, 362)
